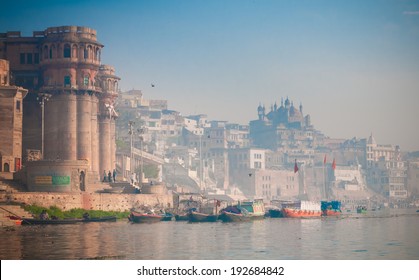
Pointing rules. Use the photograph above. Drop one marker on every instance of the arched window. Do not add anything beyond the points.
(67, 51)
(6, 167)
(86, 53)
(67, 81)
(85, 80)
(52, 52)
(45, 52)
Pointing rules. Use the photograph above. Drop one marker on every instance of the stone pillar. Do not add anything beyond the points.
(67, 126)
(95, 135)
(113, 145)
(52, 122)
(53, 115)
(104, 144)
(84, 124)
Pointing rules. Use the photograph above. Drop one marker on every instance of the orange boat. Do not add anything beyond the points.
(298, 213)
(331, 208)
(331, 212)
(302, 209)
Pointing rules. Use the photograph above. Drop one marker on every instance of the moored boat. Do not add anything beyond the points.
(197, 217)
(227, 216)
(331, 208)
(302, 209)
(138, 217)
(275, 213)
(27, 221)
(182, 217)
(244, 211)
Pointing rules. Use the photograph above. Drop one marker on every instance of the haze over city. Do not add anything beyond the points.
(353, 65)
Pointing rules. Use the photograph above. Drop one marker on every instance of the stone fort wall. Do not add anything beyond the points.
(89, 201)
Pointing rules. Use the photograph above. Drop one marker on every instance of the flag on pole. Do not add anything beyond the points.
(334, 164)
(295, 167)
(324, 160)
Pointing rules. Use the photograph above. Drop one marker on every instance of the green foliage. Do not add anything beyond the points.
(73, 213)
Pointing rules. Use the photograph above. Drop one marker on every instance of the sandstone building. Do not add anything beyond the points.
(61, 66)
(11, 112)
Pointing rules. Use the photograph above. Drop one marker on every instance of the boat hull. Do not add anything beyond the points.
(196, 217)
(181, 217)
(275, 213)
(296, 213)
(228, 217)
(145, 218)
(66, 221)
(331, 212)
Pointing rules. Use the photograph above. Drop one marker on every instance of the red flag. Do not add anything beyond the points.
(334, 164)
(324, 160)
(295, 167)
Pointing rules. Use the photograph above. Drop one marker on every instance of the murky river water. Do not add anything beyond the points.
(385, 234)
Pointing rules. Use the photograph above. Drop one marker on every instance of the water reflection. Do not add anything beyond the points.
(379, 235)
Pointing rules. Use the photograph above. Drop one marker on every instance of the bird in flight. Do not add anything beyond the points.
(153, 85)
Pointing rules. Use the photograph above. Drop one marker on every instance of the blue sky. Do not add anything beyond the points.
(354, 65)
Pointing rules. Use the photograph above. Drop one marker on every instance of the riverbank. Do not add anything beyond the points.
(89, 201)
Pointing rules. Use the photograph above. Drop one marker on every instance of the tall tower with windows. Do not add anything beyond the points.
(64, 63)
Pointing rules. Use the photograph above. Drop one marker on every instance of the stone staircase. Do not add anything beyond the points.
(10, 186)
(11, 210)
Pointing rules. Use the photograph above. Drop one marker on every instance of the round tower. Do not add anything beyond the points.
(70, 65)
(107, 116)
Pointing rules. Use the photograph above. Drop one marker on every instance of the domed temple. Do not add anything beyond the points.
(282, 127)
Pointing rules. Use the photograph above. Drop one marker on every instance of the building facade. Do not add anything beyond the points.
(386, 171)
(61, 67)
(11, 116)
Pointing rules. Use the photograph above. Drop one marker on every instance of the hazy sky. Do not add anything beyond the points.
(354, 65)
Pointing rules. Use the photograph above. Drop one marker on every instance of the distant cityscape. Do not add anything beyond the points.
(65, 121)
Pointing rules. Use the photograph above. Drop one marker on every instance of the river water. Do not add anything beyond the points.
(389, 234)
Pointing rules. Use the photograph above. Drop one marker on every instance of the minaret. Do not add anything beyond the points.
(260, 112)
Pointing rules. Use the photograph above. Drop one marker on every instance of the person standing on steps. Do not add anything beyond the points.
(114, 175)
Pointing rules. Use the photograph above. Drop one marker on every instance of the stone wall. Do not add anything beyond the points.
(89, 201)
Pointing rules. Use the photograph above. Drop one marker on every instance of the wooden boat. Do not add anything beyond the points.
(275, 213)
(138, 217)
(297, 213)
(197, 217)
(182, 217)
(26, 221)
(244, 211)
(302, 209)
(227, 216)
(276, 206)
(100, 219)
(331, 208)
